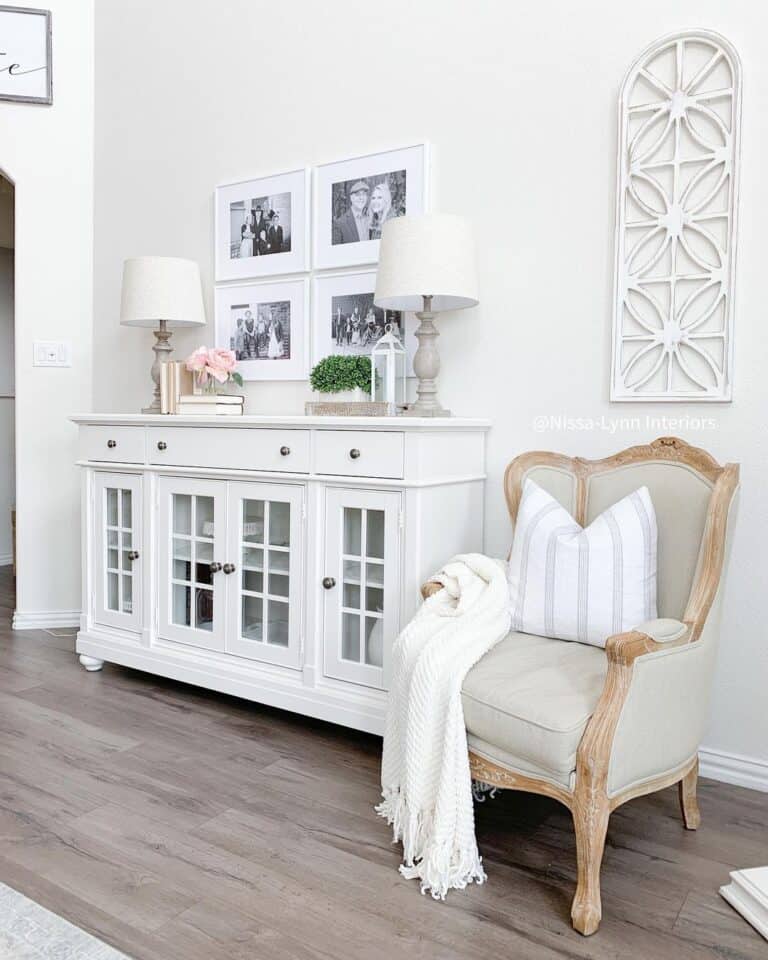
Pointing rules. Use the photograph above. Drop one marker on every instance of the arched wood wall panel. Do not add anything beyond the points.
(677, 191)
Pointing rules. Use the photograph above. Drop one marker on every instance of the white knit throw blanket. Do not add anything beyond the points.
(425, 778)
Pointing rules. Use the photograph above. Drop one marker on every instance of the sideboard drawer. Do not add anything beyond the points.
(360, 453)
(112, 444)
(230, 448)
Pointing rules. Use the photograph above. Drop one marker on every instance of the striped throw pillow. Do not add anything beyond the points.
(582, 584)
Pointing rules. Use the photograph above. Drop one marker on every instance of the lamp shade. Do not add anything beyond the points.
(431, 255)
(161, 288)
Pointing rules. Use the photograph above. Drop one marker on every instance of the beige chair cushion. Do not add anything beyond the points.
(487, 751)
(531, 698)
(680, 497)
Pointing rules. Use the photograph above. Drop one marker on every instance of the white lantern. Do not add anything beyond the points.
(388, 370)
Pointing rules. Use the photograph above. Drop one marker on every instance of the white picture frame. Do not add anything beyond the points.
(405, 175)
(25, 58)
(237, 234)
(351, 289)
(286, 302)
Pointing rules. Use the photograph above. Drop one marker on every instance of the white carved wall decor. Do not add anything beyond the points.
(679, 117)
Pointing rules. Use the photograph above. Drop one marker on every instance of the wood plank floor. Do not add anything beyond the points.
(176, 823)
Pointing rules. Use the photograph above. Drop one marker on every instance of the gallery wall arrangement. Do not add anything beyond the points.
(310, 235)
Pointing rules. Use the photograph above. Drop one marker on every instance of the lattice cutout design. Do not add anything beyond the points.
(679, 116)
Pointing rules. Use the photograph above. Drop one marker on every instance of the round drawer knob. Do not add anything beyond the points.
(285, 451)
(329, 583)
(133, 554)
(162, 445)
(111, 444)
(354, 453)
(228, 568)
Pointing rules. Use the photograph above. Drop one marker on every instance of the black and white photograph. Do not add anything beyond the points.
(357, 324)
(346, 321)
(362, 206)
(260, 331)
(262, 227)
(265, 324)
(354, 199)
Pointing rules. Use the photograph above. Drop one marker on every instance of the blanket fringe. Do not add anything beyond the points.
(449, 866)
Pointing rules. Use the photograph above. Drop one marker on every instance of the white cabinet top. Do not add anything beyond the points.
(407, 424)
(401, 451)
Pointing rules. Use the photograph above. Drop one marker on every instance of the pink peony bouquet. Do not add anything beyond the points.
(212, 365)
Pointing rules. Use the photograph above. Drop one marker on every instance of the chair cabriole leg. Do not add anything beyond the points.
(590, 821)
(689, 805)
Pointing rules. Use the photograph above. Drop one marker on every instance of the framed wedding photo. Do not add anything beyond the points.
(262, 226)
(353, 199)
(25, 55)
(266, 324)
(346, 321)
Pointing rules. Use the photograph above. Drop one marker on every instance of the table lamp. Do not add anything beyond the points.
(161, 292)
(426, 264)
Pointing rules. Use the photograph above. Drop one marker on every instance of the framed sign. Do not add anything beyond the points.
(25, 55)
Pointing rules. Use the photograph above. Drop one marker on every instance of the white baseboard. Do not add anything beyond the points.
(6, 559)
(44, 619)
(748, 893)
(734, 768)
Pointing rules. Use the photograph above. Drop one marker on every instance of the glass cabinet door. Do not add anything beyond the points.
(118, 553)
(265, 545)
(361, 583)
(191, 561)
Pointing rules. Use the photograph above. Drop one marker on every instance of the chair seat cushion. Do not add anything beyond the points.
(531, 697)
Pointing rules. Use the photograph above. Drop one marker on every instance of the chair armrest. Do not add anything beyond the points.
(651, 636)
(622, 651)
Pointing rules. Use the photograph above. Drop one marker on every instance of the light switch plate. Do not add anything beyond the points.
(51, 353)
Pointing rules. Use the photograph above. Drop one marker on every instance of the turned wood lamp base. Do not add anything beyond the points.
(426, 366)
(163, 351)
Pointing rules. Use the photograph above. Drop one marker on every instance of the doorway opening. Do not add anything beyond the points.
(7, 407)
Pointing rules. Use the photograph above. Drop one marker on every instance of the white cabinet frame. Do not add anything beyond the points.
(426, 476)
(169, 628)
(265, 648)
(115, 537)
(389, 503)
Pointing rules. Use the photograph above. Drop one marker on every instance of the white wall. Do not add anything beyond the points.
(48, 153)
(519, 102)
(7, 458)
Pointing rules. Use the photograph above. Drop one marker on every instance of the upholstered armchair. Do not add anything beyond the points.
(594, 728)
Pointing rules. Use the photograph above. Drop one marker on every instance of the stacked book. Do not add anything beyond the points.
(176, 396)
(205, 405)
(175, 380)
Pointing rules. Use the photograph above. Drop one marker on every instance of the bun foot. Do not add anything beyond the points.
(91, 663)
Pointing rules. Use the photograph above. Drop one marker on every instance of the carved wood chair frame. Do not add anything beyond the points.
(589, 801)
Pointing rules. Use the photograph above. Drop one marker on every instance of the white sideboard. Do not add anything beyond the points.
(272, 558)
